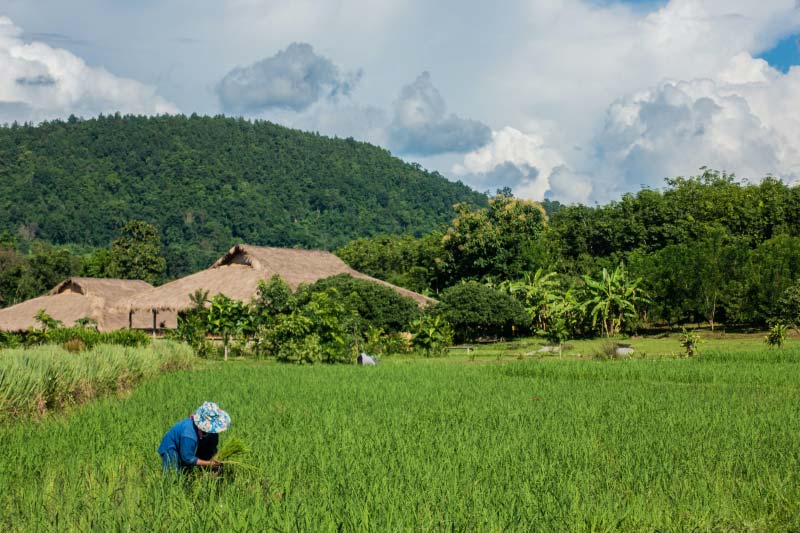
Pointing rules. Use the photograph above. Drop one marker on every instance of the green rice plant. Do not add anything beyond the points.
(232, 452)
(232, 448)
(430, 444)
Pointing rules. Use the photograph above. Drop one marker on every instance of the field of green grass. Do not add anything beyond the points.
(665, 345)
(541, 444)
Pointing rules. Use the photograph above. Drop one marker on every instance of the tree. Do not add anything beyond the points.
(564, 319)
(772, 267)
(776, 335)
(50, 265)
(710, 272)
(207, 182)
(16, 281)
(415, 264)
(789, 305)
(96, 264)
(135, 255)
(612, 299)
(226, 317)
(332, 320)
(377, 305)
(475, 310)
(538, 292)
(494, 242)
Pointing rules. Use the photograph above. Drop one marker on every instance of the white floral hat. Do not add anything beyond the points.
(210, 418)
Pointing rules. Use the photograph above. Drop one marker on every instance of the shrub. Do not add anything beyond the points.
(192, 330)
(776, 335)
(395, 343)
(10, 340)
(286, 329)
(432, 335)
(317, 331)
(306, 349)
(378, 305)
(125, 337)
(689, 342)
(90, 337)
(475, 310)
(86, 322)
(332, 321)
(376, 341)
(46, 320)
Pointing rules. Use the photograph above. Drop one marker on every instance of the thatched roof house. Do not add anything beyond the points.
(237, 273)
(77, 298)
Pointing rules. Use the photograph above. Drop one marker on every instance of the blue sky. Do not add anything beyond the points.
(581, 100)
(785, 54)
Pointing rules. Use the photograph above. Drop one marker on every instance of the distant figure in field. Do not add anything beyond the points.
(193, 441)
(365, 360)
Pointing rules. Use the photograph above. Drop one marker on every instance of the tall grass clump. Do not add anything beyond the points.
(36, 380)
(89, 337)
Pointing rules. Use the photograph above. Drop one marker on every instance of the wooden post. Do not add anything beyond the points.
(155, 313)
(130, 319)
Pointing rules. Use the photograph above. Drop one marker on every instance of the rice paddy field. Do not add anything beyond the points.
(491, 443)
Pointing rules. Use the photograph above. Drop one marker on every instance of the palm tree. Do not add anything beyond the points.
(199, 298)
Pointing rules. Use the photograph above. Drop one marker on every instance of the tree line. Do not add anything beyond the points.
(135, 254)
(703, 249)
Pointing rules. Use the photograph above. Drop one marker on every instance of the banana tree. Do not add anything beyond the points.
(612, 299)
(539, 292)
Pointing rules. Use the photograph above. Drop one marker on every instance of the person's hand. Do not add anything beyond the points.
(216, 466)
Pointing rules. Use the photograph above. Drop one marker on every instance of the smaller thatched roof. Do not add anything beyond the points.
(101, 287)
(76, 298)
(237, 273)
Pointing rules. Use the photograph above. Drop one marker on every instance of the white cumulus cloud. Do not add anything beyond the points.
(744, 120)
(605, 90)
(518, 160)
(41, 82)
(632, 97)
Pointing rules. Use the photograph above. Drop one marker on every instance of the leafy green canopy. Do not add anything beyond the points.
(377, 305)
(475, 310)
(706, 248)
(135, 255)
(208, 182)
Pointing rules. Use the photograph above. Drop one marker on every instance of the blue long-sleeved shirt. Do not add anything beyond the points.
(181, 439)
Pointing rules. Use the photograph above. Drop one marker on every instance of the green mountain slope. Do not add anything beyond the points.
(207, 182)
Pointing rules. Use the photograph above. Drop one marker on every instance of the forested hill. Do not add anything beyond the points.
(207, 182)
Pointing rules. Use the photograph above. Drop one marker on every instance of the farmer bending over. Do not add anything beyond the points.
(365, 360)
(193, 441)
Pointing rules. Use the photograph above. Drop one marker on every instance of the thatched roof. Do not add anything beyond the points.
(76, 298)
(237, 273)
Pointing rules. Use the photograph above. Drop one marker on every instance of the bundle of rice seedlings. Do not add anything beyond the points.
(231, 452)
